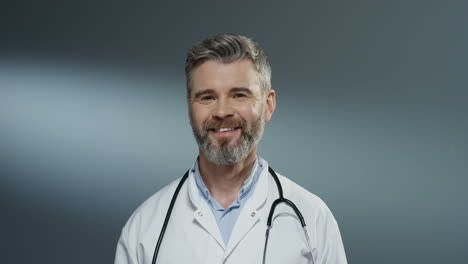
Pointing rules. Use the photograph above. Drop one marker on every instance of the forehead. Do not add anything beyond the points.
(218, 76)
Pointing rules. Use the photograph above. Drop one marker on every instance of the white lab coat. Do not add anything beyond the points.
(193, 236)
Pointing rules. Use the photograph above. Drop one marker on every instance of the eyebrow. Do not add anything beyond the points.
(241, 89)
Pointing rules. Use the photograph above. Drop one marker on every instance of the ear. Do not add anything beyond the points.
(270, 105)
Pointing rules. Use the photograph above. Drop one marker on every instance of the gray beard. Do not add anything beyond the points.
(225, 154)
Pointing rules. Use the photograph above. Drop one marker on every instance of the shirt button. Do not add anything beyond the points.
(253, 214)
(200, 213)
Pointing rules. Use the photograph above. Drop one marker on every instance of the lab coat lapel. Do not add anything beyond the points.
(203, 214)
(250, 214)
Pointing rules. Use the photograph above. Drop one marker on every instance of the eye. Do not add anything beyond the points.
(206, 98)
(239, 95)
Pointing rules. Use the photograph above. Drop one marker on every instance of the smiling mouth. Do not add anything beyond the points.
(224, 130)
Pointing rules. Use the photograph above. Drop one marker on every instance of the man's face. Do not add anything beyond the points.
(228, 110)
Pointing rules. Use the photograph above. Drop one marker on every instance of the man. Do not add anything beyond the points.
(220, 213)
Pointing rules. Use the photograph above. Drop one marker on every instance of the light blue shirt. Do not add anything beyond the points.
(226, 218)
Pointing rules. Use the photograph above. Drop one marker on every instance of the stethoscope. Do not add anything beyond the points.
(281, 199)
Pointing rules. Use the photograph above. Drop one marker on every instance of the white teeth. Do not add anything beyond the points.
(225, 129)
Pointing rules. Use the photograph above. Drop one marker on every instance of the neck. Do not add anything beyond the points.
(225, 181)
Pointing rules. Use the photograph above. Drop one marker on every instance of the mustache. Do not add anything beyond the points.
(214, 124)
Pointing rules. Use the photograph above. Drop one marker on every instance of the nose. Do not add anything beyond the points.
(223, 109)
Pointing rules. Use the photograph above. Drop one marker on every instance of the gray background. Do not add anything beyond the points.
(371, 117)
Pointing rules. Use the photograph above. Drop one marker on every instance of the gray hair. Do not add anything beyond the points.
(228, 48)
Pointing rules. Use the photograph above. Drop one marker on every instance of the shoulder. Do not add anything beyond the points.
(320, 222)
(150, 211)
(310, 204)
(160, 196)
(294, 191)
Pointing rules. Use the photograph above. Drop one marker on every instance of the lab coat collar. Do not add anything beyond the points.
(202, 213)
(250, 214)
(247, 218)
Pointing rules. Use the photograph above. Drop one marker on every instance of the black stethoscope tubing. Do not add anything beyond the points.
(281, 199)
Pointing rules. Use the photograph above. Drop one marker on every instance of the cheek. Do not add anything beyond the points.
(251, 116)
(192, 117)
(197, 115)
